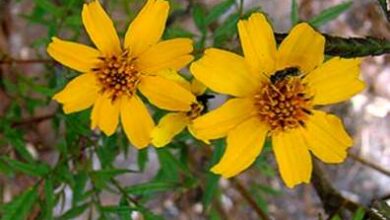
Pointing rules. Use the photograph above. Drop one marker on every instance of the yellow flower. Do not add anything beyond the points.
(112, 74)
(173, 123)
(275, 94)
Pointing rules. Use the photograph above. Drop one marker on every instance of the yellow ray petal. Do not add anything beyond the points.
(225, 72)
(166, 94)
(303, 48)
(335, 81)
(136, 121)
(327, 138)
(168, 127)
(79, 94)
(197, 87)
(105, 114)
(293, 157)
(73, 55)
(147, 27)
(258, 43)
(244, 144)
(170, 54)
(194, 134)
(176, 77)
(100, 28)
(220, 121)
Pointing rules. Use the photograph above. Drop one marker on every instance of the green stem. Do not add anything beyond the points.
(351, 47)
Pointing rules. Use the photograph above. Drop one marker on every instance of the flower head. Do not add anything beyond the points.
(275, 93)
(173, 123)
(113, 74)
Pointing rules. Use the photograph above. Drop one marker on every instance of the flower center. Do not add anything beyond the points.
(284, 102)
(118, 75)
(196, 110)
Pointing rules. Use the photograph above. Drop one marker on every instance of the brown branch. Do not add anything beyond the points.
(123, 192)
(34, 120)
(350, 47)
(220, 210)
(332, 201)
(369, 164)
(248, 197)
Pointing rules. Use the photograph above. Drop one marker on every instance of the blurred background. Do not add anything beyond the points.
(173, 183)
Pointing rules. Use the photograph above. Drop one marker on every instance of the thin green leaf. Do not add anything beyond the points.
(211, 188)
(116, 209)
(336, 217)
(329, 14)
(148, 215)
(261, 201)
(48, 6)
(64, 174)
(108, 151)
(31, 169)
(73, 212)
(5, 168)
(226, 30)
(294, 12)
(102, 177)
(198, 15)
(42, 89)
(177, 32)
(359, 214)
(80, 181)
(218, 10)
(150, 188)
(170, 166)
(17, 143)
(19, 207)
(49, 202)
(142, 159)
(269, 190)
(112, 172)
(125, 214)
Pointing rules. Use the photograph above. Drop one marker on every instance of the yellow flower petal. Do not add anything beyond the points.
(244, 144)
(194, 134)
(197, 87)
(105, 114)
(225, 72)
(168, 127)
(147, 27)
(79, 94)
(170, 54)
(258, 43)
(136, 121)
(293, 157)
(176, 77)
(76, 56)
(100, 28)
(335, 81)
(303, 48)
(166, 94)
(327, 138)
(220, 121)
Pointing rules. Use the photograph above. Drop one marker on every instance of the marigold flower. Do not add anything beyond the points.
(275, 94)
(112, 75)
(173, 123)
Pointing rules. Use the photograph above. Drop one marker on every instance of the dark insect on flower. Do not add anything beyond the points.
(282, 74)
